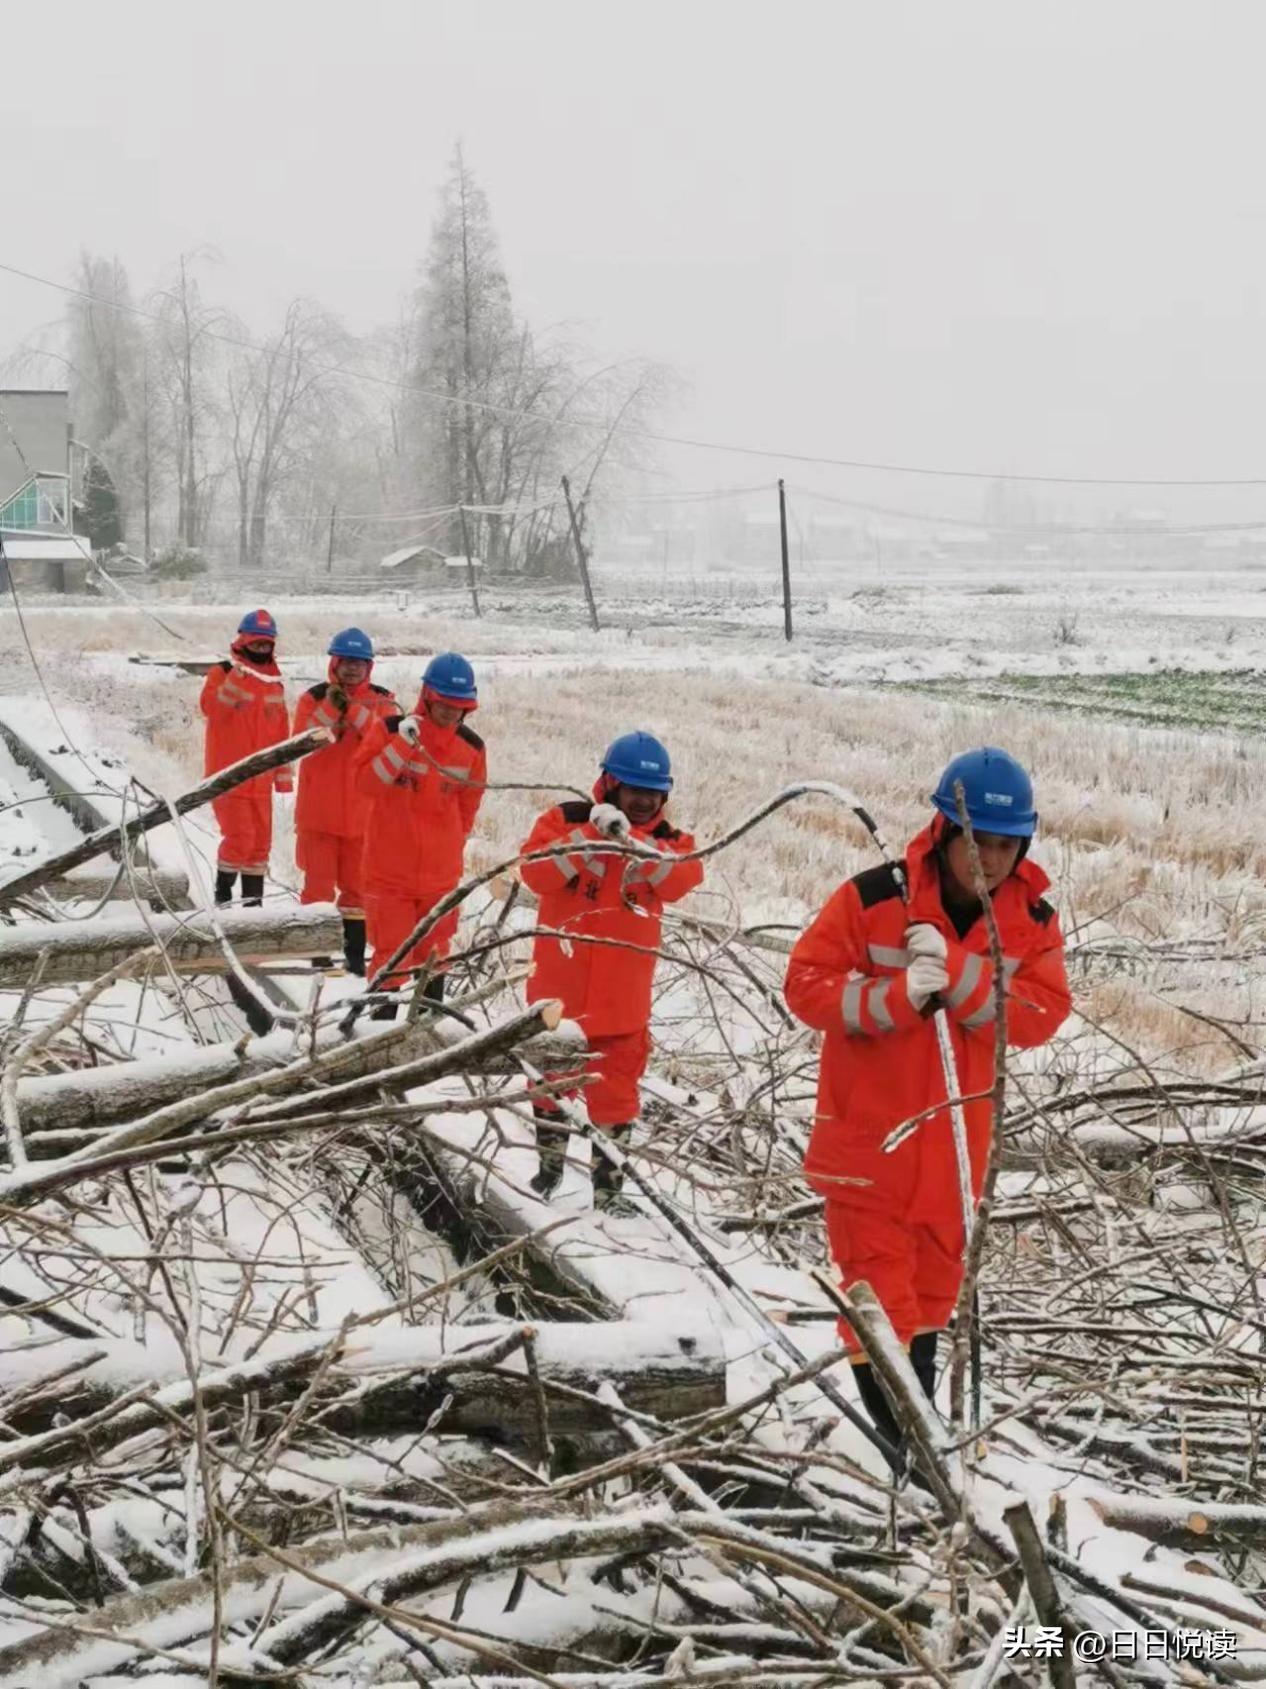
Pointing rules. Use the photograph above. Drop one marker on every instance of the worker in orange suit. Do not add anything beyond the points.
(244, 703)
(870, 972)
(422, 777)
(329, 811)
(606, 987)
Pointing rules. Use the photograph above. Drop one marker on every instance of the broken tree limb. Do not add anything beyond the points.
(1180, 1524)
(1046, 1602)
(162, 887)
(25, 1185)
(91, 1098)
(78, 951)
(110, 839)
(398, 1561)
(30, 1047)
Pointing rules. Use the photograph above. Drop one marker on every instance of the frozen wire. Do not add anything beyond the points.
(1032, 528)
(631, 431)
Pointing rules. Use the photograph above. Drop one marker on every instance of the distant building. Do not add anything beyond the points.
(40, 549)
(424, 564)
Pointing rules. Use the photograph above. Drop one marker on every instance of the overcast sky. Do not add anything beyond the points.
(1006, 235)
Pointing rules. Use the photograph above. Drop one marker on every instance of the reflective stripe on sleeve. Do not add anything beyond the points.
(966, 983)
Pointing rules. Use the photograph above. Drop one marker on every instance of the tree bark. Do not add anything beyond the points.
(108, 839)
(77, 951)
(98, 1097)
(390, 1383)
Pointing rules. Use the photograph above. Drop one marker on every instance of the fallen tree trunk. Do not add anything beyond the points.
(77, 951)
(473, 1380)
(1181, 1524)
(179, 1610)
(69, 1106)
(160, 886)
(109, 839)
(130, 1144)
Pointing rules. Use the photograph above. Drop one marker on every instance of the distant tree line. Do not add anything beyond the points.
(197, 433)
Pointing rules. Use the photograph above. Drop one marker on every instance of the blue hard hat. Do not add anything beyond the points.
(259, 623)
(997, 791)
(352, 643)
(451, 676)
(638, 759)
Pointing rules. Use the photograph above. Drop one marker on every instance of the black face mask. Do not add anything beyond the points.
(259, 657)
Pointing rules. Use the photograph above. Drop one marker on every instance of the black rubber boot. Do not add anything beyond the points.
(608, 1180)
(551, 1148)
(253, 889)
(385, 1011)
(433, 990)
(224, 883)
(923, 1360)
(354, 945)
(876, 1404)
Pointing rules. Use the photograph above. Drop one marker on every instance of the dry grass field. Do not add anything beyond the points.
(1149, 835)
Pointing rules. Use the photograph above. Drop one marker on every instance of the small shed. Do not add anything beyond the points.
(45, 562)
(423, 563)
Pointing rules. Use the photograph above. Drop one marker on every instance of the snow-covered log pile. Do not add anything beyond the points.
(301, 1383)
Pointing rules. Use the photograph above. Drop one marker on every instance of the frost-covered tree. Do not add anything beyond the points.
(466, 348)
(498, 414)
(100, 516)
(186, 358)
(281, 402)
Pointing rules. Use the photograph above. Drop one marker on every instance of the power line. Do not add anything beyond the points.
(1033, 529)
(631, 431)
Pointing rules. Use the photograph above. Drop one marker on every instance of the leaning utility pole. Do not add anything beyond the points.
(581, 560)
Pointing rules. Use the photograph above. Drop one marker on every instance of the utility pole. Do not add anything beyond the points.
(470, 566)
(329, 555)
(581, 560)
(786, 561)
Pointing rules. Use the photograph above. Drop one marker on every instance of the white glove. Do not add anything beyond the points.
(925, 977)
(410, 730)
(923, 939)
(610, 821)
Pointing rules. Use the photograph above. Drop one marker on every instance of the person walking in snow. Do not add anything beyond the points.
(329, 810)
(244, 703)
(605, 987)
(422, 777)
(869, 973)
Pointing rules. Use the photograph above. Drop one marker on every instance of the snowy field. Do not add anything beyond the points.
(1150, 834)
(1134, 699)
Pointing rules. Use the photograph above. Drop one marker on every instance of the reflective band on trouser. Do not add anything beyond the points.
(873, 993)
(888, 956)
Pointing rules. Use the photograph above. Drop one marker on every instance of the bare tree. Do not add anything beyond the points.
(277, 398)
(186, 352)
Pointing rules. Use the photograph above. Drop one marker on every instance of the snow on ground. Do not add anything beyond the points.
(1150, 835)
